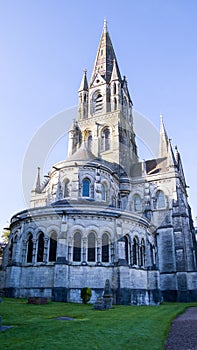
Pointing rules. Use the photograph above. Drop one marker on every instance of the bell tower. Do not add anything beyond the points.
(105, 109)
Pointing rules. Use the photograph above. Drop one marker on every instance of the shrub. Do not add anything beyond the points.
(86, 294)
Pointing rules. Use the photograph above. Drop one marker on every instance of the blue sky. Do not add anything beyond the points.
(44, 47)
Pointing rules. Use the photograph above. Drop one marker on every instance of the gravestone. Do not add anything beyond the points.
(105, 302)
(107, 296)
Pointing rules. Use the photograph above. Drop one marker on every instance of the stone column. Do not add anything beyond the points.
(99, 252)
(69, 252)
(45, 256)
(84, 252)
(24, 251)
(34, 251)
(112, 253)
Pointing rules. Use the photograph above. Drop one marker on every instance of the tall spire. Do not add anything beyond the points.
(84, 82)
(163, 145)
(105, 57)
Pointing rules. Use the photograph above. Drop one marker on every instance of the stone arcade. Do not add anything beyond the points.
(101, 214)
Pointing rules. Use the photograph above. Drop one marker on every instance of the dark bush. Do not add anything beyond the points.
(86, 294)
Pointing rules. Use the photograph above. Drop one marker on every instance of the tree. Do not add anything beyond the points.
(5, 235)
(86, 294)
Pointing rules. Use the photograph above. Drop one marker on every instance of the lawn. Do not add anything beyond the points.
(122, 327)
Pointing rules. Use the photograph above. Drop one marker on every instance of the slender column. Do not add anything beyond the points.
(24, 251)
(112, 253)
(34, 251)
(45, 256)
(84, 252)
(69, 252)
(99, 252)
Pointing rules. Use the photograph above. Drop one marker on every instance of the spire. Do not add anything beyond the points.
(37, 186)
(177, 155)
(163, 145)
(125, 87)
(180, 165)
(84, 82)
(171, 157)
(105, 57)
(105, 26)
(115, 72)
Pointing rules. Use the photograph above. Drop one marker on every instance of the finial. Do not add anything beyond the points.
(85, 71)
(105, 26)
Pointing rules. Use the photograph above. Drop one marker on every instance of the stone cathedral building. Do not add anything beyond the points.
(101, 213)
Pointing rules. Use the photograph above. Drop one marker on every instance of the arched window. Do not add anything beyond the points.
(160, 200)
(105, 248)
(135, 251)
(115, 103)
(30, 248)
(40, 251)
(77, 247)
(86, 188)
(103, 192)
(97, 102)
(105, 138)
(126, 239)
(53, 247)
(66, 188)
(91, 247)
(142, 253)
(114, 88)
(137, 203)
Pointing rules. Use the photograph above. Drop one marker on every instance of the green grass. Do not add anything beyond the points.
(122, 327)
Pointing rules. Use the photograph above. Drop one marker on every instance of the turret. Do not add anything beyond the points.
(83, 98)
(74, 140)
(115, 88)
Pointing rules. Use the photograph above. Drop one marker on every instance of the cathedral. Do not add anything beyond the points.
(104, 214)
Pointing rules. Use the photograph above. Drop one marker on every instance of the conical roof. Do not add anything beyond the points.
(115, 72)
(84, 82)
(105, 58)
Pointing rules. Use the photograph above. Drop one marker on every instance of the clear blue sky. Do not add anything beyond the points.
(45, 46)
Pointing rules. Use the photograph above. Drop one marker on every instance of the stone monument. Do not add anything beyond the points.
(105, 302)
